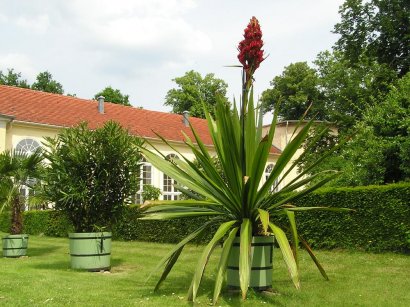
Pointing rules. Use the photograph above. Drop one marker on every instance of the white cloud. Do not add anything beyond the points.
(3, 18)
(20, 63)
(39, 23)
(155, 25)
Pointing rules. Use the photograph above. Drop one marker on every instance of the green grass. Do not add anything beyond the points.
(45, 278)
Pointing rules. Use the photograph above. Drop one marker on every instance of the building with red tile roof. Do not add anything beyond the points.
(27, 116)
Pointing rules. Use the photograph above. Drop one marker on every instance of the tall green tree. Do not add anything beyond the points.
(114, 96)
(193, 90)
(378, 148)
(377, 28)
(13, 78)
(296, 89)
(348, 91)
(46, 83)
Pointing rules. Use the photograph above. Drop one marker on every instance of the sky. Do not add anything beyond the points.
(139, 46)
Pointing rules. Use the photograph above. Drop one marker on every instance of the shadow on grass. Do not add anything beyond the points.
(179, 285)
(65, 265)
(53, 265)
(116, 261)
(234, 298)
(40, 251)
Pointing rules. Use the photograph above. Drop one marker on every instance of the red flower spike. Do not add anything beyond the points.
(250, 48)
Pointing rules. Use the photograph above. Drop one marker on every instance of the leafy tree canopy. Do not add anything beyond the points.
(13, 78)
(348, 91)
(44, 82)
(378, 151)
(296, 88)
(114, 96)
(193, 89)
(378, 28)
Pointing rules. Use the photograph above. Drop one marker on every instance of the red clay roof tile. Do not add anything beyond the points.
(52, 109)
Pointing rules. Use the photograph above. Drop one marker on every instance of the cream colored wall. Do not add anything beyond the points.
(19, 131)
(3, 135)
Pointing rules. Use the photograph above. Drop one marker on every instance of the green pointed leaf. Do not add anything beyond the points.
(284, 159)
(223, 261)
(294, 231)
(333, 209)
(302, 193)
(315, 260)
(264, 218)
(168, 267)
(287, 254)
(190, 202)
(175, 215)
(172, 256)
(222, 230)
(245, 260)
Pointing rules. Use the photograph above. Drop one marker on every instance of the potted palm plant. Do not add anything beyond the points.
(239, 204)
(16, 170)
(91, 176)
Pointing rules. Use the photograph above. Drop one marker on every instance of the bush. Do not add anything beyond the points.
(47, 222)
(5, 221)
(91, 174)
(170, 231)
(381, 221)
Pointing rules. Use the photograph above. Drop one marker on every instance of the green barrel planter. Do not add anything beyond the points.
(15, 245)
(90, 251)
(261, 272)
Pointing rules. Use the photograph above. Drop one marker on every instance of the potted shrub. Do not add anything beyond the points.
(91, 176)
(240, 205)
(16, 171)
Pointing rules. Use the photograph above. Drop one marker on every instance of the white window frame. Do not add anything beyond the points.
(27, 146)
(168, 189)
(145, 178)
(268, 171)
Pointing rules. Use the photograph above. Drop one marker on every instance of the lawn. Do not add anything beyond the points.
(45, 278)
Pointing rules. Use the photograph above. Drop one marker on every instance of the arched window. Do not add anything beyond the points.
(268, 171)
(27, 146)
(145, 178)
(168, 184)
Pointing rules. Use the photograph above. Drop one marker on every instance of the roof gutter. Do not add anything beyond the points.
(39, 124)
(7, 118)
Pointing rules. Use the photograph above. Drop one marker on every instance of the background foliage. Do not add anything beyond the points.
(113, 96)
(380, 223)
(193, 89)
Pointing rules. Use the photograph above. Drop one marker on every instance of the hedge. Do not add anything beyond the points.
(128, 227)
(380, 222)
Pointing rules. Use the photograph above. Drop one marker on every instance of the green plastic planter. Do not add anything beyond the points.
(15, 245)
(90, 251)
(261, 273)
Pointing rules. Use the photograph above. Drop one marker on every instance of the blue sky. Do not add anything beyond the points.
(140, 46)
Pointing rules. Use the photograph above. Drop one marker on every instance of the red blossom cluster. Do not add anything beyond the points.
(250, 49)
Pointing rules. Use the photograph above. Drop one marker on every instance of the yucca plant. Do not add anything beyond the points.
(235, 198)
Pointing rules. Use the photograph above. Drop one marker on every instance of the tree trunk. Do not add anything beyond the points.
(16, 216)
